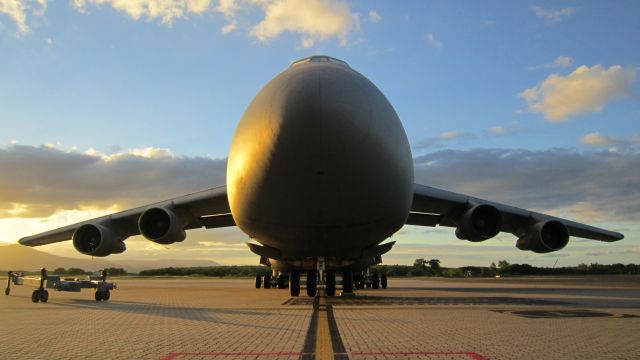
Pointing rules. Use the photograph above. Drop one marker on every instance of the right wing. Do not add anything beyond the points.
(432, 206)
(208, 208)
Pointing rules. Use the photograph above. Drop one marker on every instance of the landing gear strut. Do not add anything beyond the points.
(7, 291)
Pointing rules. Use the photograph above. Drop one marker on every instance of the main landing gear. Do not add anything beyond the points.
(315, 278)
(272, 281)
(373, 281)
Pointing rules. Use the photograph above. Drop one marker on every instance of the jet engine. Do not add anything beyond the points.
(98, 240)
(479, 223)
(162, 225)
(544, 237)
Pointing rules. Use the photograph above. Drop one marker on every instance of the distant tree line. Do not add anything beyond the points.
(432, 268)
(420, 267)
(208, 271)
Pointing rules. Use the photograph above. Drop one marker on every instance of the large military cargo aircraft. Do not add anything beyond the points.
(320, 173)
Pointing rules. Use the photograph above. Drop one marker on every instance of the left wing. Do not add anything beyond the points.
(478, 220)
(164, 222)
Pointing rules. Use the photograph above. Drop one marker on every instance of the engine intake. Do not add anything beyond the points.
(97, 240)
(479, 223)
(162, 225)
(544, 237)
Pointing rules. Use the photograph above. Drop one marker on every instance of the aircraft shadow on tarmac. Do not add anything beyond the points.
(180, 312)
(365, 300)
(591, 292)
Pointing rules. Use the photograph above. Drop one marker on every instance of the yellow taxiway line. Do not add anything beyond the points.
(324, 345)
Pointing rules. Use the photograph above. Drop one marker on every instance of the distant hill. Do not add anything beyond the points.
(18, 257)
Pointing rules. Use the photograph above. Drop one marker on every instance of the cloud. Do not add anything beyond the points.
(436, 141)
(560, 62)
(165, 10)
(229, 27)
(498, 130)
(595, 139)
(585, 186)
(450, 135)
(17, 11)
(599, 253)
(585, 90)
(227, 7)
(312, 19)
(431, 40)
(552, 16)
(374, 16)
(38, 181)
(589, 186)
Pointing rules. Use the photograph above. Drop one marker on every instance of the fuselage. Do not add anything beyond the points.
(320, 164)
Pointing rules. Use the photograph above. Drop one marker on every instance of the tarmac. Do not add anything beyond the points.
(212, 318)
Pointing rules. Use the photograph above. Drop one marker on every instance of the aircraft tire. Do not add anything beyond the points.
(375, 281)
(7, 291)
(282, 281)
(330, 282)
(106, 295)
(294, 283)
(383, 281)
(267, 281)
(35, 297)
(98, 295)
(258, 281)
(44, 296)
(312, 283)
(347, 281)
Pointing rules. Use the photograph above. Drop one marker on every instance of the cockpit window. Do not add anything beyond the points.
(319, 58)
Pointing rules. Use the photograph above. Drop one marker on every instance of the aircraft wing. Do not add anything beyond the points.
(432, 206)
(208, 208)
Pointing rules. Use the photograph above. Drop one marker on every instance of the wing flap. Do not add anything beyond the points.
(423, 219)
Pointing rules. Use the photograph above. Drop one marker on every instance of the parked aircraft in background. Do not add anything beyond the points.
(320, 173)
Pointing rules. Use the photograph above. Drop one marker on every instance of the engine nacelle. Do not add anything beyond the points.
(98, 240)
(479, 223)
(162, 225)
(544, 237)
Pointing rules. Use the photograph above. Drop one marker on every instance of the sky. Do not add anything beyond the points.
(108, 104)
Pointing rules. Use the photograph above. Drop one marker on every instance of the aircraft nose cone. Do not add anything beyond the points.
(319, 146)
